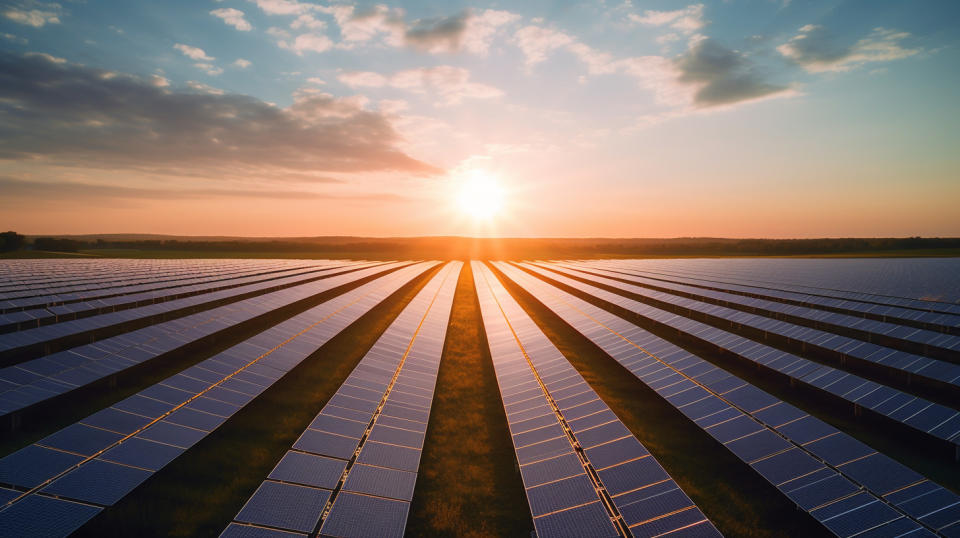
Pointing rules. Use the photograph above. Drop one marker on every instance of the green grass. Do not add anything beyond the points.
(468, 484)
(733, 496)
(200, 492)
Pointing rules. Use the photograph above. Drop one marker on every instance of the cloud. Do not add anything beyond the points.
(317, 80)
(73, 115)
(241, 63)
(284, 7)
(452, 84)
(40, 192)
(443, 34)
(36, 14)
(309, 22)
(367, 24)
(205, 88)
(158, 81)
(233, 17)
(210, 69)
(193, 53)
(817, 51)
(537, 42)
(307, 43)
(468, 31)
(706, 75)
(686, 20)
(722, 76)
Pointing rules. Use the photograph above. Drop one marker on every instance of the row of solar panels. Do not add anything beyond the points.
(938, 421)
(585, 474)
(924, 341)
(924, 319)
(111, 274)
(353, 470)
(783, 277)
(943, 375)
(60, 303)
(38, 380)
(25, 274)
(66, 311)
(37, 341)
(847, 486)
(66, 478)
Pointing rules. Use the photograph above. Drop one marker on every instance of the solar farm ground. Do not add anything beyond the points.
(267, 397)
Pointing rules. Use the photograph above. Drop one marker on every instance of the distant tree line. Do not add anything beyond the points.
(463, 247)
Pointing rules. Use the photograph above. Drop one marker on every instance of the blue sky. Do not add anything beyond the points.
(645, 118)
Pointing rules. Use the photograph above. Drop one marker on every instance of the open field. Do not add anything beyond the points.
(156, 397)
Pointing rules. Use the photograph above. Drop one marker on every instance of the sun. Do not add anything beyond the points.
(480, 196)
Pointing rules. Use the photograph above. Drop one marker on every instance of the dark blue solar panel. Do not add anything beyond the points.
(550, 470)
(382, 482)
(32, 465)
(395, 457)
(172, 434)
(80, 439)
(43, 516)
(326, 444)
(235, 530)
(98, 482)
(340, 426)
(361, 515)
(588, 521)
(286, 506)
(309, 470)
(562, 494)
(627, 476)
(142, 453)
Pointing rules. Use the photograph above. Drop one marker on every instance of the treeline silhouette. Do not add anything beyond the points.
(466, 247)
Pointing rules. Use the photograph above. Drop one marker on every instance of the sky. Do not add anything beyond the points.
(643, 118)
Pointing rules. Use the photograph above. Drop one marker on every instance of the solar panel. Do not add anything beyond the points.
(287, 506)
(44, 516)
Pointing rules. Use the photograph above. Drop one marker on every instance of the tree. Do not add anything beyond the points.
(11, 241)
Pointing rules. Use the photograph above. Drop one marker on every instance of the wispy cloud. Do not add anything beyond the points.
(232, 17)
(194, 53)
(451, 84)
(32, 13)
(817, 50)
(687, 20)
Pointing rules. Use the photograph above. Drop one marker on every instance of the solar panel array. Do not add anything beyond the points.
(34, 381)
(93, 463)
(55, 307)
(940, 422)
(880, 338)
(843, 483)
(910, 317)
(584, 472)
(352, 472)
(28, 343)
(931, 342)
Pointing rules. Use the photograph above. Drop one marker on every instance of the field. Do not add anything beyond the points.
(290, 395)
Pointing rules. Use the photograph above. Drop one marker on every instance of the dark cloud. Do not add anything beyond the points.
(444, 33)
(724, 76)
(817, 49)
(45, 191)
(81, 116)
